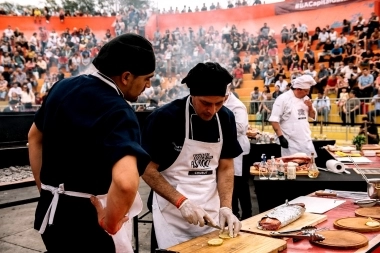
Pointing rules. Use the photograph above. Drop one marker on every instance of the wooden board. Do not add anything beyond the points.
(255, 172)
(307, 219)
(373, 212)
(29, 179)
(357, 224)
(342, 239)
(370, 147)
(243, 243)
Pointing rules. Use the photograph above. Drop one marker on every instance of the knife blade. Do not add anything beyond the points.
(210, 225)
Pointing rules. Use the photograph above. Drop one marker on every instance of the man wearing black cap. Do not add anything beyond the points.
(192, 143)
(85, 142)
(369, 129)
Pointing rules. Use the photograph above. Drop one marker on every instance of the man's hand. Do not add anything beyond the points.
(308, 103)
(102, 217)
(283, 142)
(234, 225)
(195, 214)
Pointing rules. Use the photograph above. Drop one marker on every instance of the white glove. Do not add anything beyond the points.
(234, 225)
(195, 214)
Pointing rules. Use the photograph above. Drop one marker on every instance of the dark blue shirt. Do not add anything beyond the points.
(87, 127)
(164, 132)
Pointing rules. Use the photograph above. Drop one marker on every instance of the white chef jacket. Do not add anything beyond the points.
(241, 118)
(292, 115)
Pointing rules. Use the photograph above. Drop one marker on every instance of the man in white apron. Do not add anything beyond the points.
(192, 142)
(85, 142)
(290, 114)
(241, 192)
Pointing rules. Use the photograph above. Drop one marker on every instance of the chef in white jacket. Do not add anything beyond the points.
(241, 188)
(290, 115)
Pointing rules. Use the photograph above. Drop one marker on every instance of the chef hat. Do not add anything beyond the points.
(303, 82)
(127, 52)
(208, 79)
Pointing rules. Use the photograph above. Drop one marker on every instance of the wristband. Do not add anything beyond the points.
(180, 201)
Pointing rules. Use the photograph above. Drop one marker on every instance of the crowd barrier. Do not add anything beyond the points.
(334, 122)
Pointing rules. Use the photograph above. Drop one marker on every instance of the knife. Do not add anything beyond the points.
(210, 225)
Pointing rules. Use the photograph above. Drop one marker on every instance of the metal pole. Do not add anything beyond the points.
(365, 133)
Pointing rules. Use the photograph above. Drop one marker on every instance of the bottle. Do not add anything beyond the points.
(273, 169)
(292, 172)
(263, 170)
(313, 169)
(281, 171)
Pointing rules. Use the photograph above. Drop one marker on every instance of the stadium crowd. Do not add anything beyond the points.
(343, 63)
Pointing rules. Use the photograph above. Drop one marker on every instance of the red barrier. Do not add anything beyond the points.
(196, 19)
(332, 16)
(26, 24)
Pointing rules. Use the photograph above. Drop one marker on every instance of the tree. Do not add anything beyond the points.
(85, 6)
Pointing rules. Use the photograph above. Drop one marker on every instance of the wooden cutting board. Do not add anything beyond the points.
(357, 224)
(243, 243)
(255, 172)
(373, 212)
(370, 147)
(307, 219)
(342, 239)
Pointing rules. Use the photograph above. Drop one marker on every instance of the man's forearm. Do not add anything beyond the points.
(159, 184)
(35, 153)
(123, 189)
(225, 182)
(276, 128)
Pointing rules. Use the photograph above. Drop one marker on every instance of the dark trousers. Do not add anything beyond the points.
(351, 115)
(373, 114)
(241, 192)
(364, 93)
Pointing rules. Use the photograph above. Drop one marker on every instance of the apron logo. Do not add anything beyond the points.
(301, 112)
(201, 160)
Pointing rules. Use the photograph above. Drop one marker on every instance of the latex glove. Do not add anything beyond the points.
(195, 214)
(283, 142)
(234, 225)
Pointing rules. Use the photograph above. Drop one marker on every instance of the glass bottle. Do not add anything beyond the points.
(263, 170)
(292, 172)
(281, 171)
(273, 169)
(313, 169)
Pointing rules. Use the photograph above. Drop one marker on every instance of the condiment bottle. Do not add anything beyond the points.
(292, 172)
(263, 168)
(313, 169)
(281, 171)
(273, 169)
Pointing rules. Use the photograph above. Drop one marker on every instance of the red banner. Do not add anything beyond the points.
(294, 6)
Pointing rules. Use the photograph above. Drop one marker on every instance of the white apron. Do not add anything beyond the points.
(122, 239)
(194, 175)
(295, 128)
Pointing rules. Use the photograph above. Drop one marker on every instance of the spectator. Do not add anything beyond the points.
(346, 30)
(269, 75)
(351, 109)
(327, 47)
(13, 106)
(281, 83)
(267, 105)
(322, 105)
(322, 37)
(255, 98)
(376, 112)
(365, 84)
(15, 91)
(322, 77)
(27, 98)
(370, 129)
(276, 92)
(335, 56)
(284, 35)
(3, 88)
(237, 76)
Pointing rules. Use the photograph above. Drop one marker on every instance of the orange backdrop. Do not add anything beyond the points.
(26, 24)
(252, 18)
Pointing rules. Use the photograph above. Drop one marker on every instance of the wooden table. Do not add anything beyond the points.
(347, 209)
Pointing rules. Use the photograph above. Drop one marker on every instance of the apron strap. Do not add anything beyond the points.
(49, 216)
